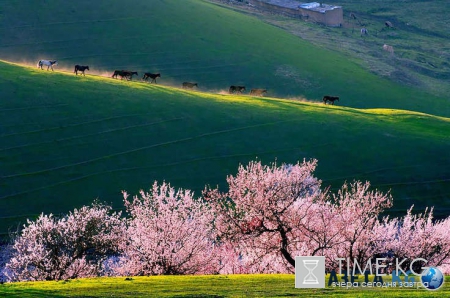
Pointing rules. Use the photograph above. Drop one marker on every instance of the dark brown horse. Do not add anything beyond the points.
(80, 68)
(331, 99)
(153, 76)
(187, 85)
(236, 89)
(120, 73)
(128, 75)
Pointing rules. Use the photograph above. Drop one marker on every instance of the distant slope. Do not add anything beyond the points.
(421, 58)
(66, 140)
(192, 40)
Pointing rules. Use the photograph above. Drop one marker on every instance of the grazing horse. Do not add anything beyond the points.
(80, 68)
(388, 24)
(153, 76)
(238, 89)
(48, 63)
(388, 48)
(364, 31)
(331, 99)
(258, 92)
(187, 85)
(128, 75)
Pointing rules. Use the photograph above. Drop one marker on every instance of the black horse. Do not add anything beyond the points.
(331, 99)
(128, 75)
(236, 89)
(80, 68)
(153, 76)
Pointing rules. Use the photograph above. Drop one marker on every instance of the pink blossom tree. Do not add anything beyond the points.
(262, 211)
(269, 215)
(321, 229)
(357, 212)
(417, 236)
(72, 246)
(169, 232)
(273, 213)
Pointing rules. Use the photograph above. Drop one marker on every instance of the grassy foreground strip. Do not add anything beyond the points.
(276, 285)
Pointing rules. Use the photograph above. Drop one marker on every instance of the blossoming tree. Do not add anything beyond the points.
(72, 246)
(169, 232)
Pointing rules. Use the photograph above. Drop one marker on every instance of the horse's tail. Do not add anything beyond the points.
(39, 63)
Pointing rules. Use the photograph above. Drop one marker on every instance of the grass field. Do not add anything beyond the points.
(201, 287)
(67, 140)
(196, 41)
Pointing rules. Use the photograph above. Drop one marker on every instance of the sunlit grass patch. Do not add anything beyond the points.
(273, 285)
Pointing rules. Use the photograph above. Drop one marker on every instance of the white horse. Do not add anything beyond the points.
(364, 31)
(388, 48)
(48, 63)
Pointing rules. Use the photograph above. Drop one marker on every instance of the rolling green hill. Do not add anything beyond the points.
(66, 140)
(194, 40)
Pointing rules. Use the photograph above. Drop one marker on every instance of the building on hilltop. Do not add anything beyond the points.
(329, 15)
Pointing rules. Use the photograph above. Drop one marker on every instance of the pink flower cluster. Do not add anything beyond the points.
(268, 215)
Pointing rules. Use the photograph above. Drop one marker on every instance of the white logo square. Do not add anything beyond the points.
(310, 272)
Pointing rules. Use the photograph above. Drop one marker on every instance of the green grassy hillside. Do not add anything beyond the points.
(66, 140)
(194, 40)
(213, 286)
(419, 37)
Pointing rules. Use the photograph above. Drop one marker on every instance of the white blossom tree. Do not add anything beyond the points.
(417, 236)
(169, 232)
(72, 246)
